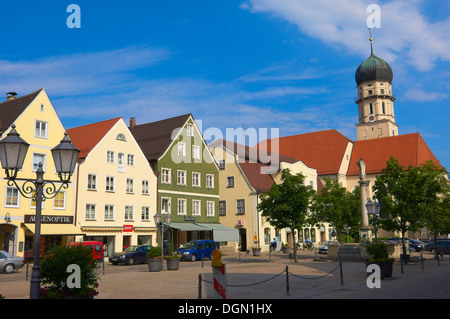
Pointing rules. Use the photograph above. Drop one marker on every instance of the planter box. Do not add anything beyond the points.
(256, 251)
(286, 250)
(155, 265)
(385, 268)
(173, 264)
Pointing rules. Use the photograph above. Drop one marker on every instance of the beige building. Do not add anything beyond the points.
(115, 187)
(242, 179)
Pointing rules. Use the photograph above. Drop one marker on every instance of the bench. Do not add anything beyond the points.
(349, 253)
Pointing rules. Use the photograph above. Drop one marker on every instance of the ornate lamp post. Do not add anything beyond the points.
(373, 208)
(13, 150)
(162, 226)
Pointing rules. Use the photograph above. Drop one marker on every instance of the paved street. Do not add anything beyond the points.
(251, 277)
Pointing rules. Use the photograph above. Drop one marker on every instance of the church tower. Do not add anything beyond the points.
(375, 99)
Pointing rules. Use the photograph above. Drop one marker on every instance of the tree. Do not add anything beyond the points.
(287, 204)
(400, 191)
(337, 206)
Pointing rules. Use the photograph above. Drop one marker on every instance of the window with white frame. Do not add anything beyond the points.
(181, 149)
(210, 208)
(230, 181)
(196, 179)
(38, 158)
(209, 180)
(196, 207)
(129, 212)
(145, 187)
(12, 198)
(41, 129)
(240, 206)
(181, 206)
(130, 186)
(121, 159)
(92, 182)
(181, 177)
(195, 151)
(110, 183)
(110, 157)
(59, 201)
(130, 159)
(145, 213)
(165, 205)
(189, 130)
(165, 175)
(109, 212)
(90, 212)
(221, 164)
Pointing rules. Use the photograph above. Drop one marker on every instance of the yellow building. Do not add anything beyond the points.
(39, 125)
(115, 187)
(242, 179)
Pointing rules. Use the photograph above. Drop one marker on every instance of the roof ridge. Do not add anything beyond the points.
(167, 119)
(22, 97)
(96, 123)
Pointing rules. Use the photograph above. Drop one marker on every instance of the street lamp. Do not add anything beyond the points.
(13, 150)
(162, 226)
(373, 208)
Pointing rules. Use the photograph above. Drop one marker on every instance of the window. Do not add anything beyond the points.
(267, 235)
(222, 208)
(196, 179)
(181, 149)
(382, 91)
(12, 197)
(40, 129)
(196, 152)
(165, 179)
(109, 212)
(130, 159)
(129, 212)
(189, 130)
(110, 157)
(121, 137)
(222, 164)
(90, 211)
(209, 181)
(230, 181)
(109, 183)
(384, 107)
(130, 186)
(370, 92)
(181, 207)
(165, 205)
(92, 182)
(196, 208)
(210, 208)
(42, 107)
(145, 187)
(38, 158)
(181, 177)
(240, 206)
(59, 200)
(120, 159)
(370, 108)
(145, 213)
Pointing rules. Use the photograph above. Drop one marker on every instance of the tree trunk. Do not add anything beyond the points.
(295, 247)
(404, 248)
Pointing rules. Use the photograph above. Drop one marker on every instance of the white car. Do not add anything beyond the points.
(8, 262)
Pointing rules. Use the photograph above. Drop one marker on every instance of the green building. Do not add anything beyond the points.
(188, 179)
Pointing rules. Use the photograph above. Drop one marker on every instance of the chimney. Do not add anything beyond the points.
(11, 96)
(132, 123)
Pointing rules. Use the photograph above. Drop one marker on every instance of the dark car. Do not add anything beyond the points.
(413, 245)
(131, 255)
(443, 245)
(197, 249)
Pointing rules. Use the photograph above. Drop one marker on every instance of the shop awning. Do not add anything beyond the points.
(188, 227)
(221, 232)
(56, 229)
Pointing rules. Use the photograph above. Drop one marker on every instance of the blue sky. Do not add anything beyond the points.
(287, 64)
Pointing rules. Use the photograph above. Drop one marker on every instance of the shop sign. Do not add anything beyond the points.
(128, 228)
(49, 219)
(189, 219)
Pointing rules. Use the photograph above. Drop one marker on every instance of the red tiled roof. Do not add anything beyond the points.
(323, 150)
(409, 149)
(260, 181)
(86, 137)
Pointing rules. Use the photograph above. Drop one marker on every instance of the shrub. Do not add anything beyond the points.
(154, 252)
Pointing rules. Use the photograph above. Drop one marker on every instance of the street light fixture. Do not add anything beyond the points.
(373, 208)
(163, 227)
(13, 150)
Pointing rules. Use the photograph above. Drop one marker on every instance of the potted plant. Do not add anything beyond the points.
(154, 259)
(256, 251)
(379, 255)
(286, 248)
(58, 283)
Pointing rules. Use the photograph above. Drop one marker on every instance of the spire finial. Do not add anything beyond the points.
(370, 39)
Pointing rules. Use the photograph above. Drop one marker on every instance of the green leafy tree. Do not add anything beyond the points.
(335, 205)
(287, 204)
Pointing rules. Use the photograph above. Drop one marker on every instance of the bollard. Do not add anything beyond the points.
(199, 286)
(421, 260)
(342, 277)
(220, 282)
(287, 281)
(401, 264)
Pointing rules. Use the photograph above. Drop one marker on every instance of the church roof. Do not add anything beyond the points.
(373, 68)
(409, 149)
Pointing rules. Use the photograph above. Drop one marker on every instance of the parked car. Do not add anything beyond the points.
(197, 249)
(8, 263)
(95, 246)
(131, 255)
(324, 248)
(413, 245)
(443, 245)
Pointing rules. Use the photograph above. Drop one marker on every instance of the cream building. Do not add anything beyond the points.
(241, 181)
(38, 124)
(115, 191)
